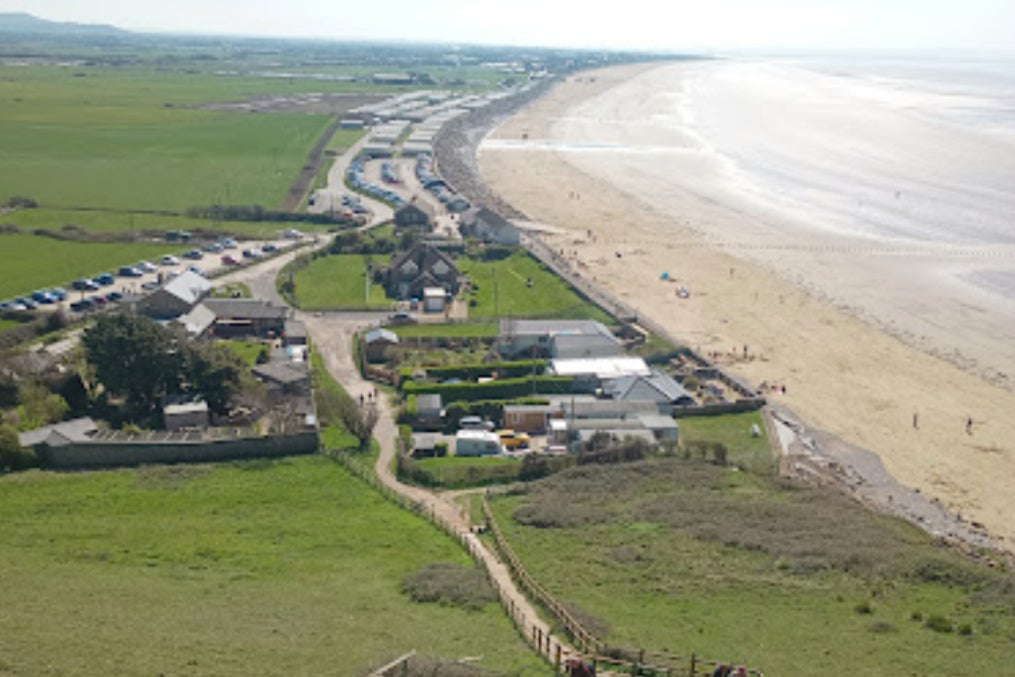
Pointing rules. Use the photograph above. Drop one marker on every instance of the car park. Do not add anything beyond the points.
(230, 260)
(114, 296)
(58, 293)
(229, 243)
(193, 254)
(146, 266)
(104, 280)
(97, 299)
(43, 297)
(169, 260)
(28, 303)
(214, 248)
(269, 247)
(129, 271)
(253, 253)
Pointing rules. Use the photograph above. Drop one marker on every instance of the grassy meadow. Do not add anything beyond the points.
(501, 290)
(680, 556)
(28, 262)
(289, 567)
(734, 432)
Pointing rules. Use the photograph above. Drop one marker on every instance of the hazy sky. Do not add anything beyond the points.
(643, 24)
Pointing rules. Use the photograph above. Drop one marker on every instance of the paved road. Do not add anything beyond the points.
(329, 198)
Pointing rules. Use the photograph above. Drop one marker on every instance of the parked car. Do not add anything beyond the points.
(253, 253)
(58, 293)
(230, 260)
(104, 280)
(146, 266)
(292, 234)
(98, 299)
(82, 306)
(269, 247)
(229, 243)
(196, 270)
(193, 254)
(84, 285)
(129, 271)
(214, 248)
(150, 285)
(513, 440)
(43, 297)
(168, 260)
(7, 305)
(114, 296)
(28, 303)
(401, 317)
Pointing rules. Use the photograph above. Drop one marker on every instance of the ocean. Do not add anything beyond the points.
(900, 148)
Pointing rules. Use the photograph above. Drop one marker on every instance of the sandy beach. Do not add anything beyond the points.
(885, 339)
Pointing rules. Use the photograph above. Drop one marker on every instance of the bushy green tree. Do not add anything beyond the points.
(12, 455)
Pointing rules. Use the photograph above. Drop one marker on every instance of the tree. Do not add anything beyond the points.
(135, 357)
(12, 455)
(214, 371)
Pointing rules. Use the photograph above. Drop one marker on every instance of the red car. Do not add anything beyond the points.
(229, 260)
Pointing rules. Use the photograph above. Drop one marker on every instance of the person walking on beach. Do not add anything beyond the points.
(969, 425)
(916, 421)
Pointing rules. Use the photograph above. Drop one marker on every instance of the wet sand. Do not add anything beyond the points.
(863, 334)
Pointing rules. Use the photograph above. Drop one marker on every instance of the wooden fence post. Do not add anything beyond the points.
(694, 664)
(556, 662)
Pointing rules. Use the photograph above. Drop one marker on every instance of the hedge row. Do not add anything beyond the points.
(502, 389)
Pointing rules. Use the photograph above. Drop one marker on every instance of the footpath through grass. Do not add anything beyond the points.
(290, 567)
(685, 556)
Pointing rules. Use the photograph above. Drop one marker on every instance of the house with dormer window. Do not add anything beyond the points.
(420, 268)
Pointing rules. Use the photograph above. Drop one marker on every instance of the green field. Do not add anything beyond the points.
(288, 568)
(338, 282)
(680, 556)
(133, 138)
(501, 290)
(29, 262)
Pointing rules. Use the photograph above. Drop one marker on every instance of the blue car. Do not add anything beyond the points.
(43, 297)
(58, 293)
(104, 280)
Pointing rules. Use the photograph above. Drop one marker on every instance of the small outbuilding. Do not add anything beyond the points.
(528, 418)
(186, 414)
(376, 342)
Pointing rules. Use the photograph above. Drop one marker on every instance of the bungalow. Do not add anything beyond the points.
(421, 267)
(656, 387)
(556, 338)
(417, 213)
(488, 226)
(177, 297)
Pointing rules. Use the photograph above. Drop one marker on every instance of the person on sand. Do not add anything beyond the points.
(969, 425)
(916, 421)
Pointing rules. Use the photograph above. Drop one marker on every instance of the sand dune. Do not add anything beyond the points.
(848, 321)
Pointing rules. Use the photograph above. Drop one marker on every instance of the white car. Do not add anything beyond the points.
(146, 266)
(169, 260)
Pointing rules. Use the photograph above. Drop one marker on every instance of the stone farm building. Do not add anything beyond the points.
(421, 267)
(175, 298)
(247, 317)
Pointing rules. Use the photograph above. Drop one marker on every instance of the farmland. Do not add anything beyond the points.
(685, 556)
(288, 567)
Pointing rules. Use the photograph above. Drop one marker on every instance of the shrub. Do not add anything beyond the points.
(450, 584)
(939, 623)
(965, 629)
(864, 608)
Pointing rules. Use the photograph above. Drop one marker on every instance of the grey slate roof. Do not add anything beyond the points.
(59, 434)
(197, 320)
(188, 286)
(657, 387)
(380, 334)
(247, 309)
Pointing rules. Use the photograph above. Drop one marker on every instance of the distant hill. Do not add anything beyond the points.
(26, 24)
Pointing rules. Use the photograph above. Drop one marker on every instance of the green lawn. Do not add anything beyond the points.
(501, 290)
(674, 556)
(291, 567)
(28, 262)
(248, 351)
(451, 471)
(338, 282)
(733, 431)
